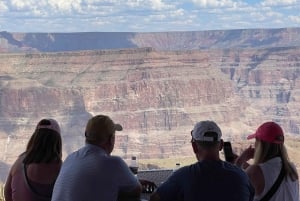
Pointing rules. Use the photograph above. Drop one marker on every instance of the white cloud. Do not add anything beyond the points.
(257, 16)
(65, 5)
(278, 2)
(19, 4)
(295, 19)
(176, 13)
(3, 7)
(274, 14)
(145, 15)
(214, 3)
(157, 4)
(134, 3)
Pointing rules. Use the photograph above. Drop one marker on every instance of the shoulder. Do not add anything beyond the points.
(256, 177)
(255, 173)
(115, 162)
(254, 170)
(17, 166)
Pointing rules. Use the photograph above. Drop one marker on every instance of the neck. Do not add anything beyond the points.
(105, 146)
(211, 157)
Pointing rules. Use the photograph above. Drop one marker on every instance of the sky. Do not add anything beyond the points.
(145, 15)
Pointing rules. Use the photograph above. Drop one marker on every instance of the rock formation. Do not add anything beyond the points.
(157, 95)
(171, 41)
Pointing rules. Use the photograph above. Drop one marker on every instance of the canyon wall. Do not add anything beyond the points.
(172, 41)
(157, 95)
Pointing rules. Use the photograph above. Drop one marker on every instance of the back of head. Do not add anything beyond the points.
(45, 145)
(269, 144)
(270, 139)
(206, 133)
(206, 140)
(100, 129)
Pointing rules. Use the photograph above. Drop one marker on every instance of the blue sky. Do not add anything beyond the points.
(145, 15)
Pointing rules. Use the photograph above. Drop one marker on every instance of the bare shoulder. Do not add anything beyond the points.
(256, 177)
(253, 170)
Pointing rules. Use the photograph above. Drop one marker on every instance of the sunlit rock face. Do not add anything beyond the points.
(156, 95)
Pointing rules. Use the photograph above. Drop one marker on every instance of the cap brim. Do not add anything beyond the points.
(251, 136)
(118, 127)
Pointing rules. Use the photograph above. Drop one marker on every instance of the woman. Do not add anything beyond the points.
(269, 156)
(34, 173)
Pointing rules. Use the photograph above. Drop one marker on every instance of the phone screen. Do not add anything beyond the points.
(228, 152)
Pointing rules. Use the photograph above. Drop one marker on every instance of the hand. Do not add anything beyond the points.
(246, 155)
(148, 186)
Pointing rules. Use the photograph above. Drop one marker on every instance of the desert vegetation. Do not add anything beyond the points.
(2, 192)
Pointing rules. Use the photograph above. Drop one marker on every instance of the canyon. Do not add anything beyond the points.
(157, 89)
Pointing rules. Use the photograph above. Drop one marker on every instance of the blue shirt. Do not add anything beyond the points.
(89, 174)
(207, 181)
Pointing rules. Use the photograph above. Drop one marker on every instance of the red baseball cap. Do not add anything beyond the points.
(269, 132)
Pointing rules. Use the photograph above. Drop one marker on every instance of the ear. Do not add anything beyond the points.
(112, 140)
(221, 145)
(195, 147)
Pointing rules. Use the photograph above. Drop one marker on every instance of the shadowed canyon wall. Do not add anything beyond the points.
(192, 40)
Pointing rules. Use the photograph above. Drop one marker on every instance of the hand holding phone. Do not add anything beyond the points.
(229, 156)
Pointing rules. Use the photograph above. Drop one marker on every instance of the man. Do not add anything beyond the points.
(210, 179)
(91, 173)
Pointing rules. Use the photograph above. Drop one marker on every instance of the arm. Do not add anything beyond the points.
(7, 189)
(247, 154)
(256, 178)
(129, 185)
(134, 193)
(14, 168)
(154, 197)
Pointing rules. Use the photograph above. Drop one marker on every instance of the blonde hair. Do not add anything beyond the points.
(265, 151)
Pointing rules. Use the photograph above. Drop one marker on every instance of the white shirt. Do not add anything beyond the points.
(288, 189)
(89, 174)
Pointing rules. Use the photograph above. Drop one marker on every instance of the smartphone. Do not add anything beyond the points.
(229, 156)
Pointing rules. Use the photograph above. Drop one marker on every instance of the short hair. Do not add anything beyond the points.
(44, 146)
(100, 128)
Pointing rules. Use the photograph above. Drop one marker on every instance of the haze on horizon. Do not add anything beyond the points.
(145, 16)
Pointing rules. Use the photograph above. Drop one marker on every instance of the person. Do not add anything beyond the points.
(32, 176)
(92, 173)
(269, 156)
(208, 179)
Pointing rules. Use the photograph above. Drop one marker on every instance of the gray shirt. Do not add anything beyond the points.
(89, 174)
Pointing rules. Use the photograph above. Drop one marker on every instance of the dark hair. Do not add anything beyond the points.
(44, 146)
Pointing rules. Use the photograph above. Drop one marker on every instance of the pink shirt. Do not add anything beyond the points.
(17, 188)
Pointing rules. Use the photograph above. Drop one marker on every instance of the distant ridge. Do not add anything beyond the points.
(165, 41)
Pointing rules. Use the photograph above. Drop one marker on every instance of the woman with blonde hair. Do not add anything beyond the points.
(270, 165)
(34, 173)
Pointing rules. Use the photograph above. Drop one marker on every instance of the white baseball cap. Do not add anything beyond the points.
(202, 128)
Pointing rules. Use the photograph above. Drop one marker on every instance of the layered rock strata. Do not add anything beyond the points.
(156, 95)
